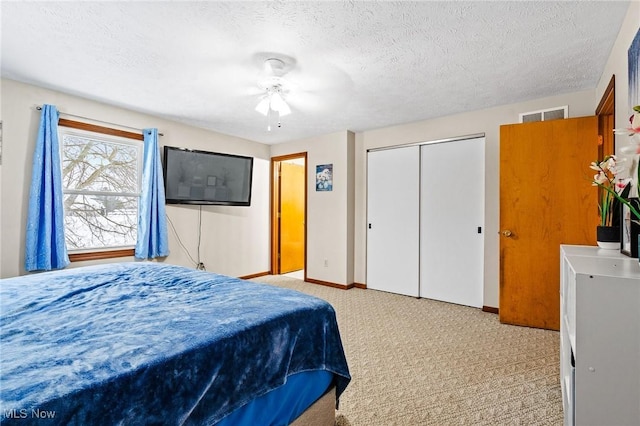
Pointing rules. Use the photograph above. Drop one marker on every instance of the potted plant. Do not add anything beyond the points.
(606, 178)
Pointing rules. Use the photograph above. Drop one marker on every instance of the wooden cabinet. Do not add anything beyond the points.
(599, 336)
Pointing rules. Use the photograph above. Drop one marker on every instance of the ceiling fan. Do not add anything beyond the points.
(283, 83)
(275, 85)
(272, 103)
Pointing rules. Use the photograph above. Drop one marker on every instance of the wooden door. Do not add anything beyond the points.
(393, 213)
(546, 199)
(291, 217)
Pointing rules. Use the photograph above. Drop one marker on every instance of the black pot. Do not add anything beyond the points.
(608, 234)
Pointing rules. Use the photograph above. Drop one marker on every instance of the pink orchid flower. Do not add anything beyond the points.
(600, 179)
(634, 126)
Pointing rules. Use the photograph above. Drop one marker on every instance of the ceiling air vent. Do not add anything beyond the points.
(545, 114)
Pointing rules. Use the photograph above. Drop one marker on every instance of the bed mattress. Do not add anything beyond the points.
(150, 343)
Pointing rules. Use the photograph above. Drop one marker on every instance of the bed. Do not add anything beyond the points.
(151, 343)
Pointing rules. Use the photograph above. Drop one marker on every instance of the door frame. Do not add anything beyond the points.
(274, 212)
(606, 113)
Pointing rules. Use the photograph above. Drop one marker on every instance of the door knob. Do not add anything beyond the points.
(507, 233)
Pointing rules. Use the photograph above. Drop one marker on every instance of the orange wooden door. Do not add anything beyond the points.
(291, 217)
(546, 199)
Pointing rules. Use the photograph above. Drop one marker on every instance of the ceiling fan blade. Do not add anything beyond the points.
(254, 91)
(228, 80)
(308, 87)
(317, 77)
(308, 101)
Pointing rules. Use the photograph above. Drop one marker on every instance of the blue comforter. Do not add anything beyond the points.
(150, 343)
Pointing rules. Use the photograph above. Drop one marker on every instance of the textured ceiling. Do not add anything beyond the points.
(358, 65)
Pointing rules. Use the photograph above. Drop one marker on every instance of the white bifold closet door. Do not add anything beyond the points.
(393, 205)
(425, 214)
(452, 221)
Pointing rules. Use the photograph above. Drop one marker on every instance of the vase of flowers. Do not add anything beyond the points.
(611, 184)
(606, 178)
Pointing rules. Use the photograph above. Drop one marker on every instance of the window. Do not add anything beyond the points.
(101, 175)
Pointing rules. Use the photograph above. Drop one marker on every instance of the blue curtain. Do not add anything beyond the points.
(45, 246)
(152, 221)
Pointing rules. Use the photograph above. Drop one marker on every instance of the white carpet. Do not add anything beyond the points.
(423, 362)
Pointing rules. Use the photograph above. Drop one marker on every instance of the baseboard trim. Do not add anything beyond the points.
(329, 284)
(360, 285)
(259, 274)
(490, 309)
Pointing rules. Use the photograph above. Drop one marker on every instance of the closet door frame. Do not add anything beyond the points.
(412, 266)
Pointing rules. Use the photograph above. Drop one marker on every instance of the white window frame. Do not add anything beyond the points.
(105, 251)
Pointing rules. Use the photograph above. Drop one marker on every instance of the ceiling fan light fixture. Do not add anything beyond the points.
(263, 106)
(278, 104)
(273, 104)
(273, 101)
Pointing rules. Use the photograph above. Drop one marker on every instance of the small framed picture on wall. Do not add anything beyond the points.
(324, 177)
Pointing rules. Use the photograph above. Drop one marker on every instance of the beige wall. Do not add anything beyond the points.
(329, 214)
(486, 121)
(235, 240)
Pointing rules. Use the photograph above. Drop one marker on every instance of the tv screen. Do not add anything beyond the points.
(201, 177)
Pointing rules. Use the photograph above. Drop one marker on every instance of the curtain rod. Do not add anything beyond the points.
(39, 108)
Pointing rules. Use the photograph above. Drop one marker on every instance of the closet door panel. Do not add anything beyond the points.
(451, 216)
(393, 220)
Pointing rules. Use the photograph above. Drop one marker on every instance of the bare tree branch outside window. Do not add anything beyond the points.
(101, 185)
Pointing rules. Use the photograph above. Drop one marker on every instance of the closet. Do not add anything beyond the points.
(425, 220)
(393, 217)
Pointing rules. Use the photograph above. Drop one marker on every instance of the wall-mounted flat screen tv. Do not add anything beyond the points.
(202, 177)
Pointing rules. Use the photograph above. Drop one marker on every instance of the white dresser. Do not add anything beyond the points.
(599, 337)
